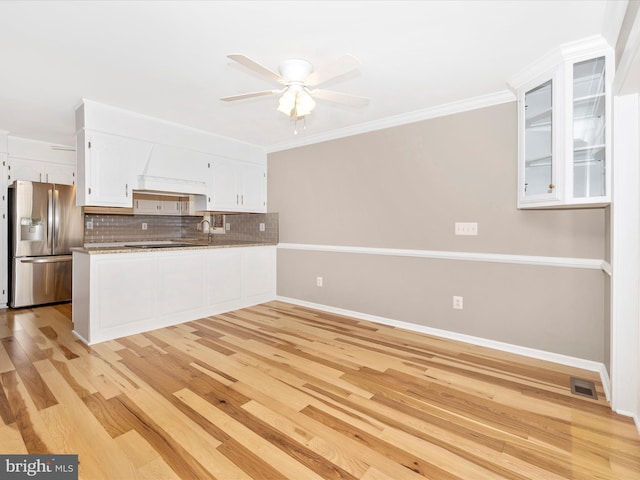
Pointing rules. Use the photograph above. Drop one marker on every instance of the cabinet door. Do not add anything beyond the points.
(109, 182)
(589, 132)
(109, 162)
(538, 171)
(223, 269)
(41, 171)
(27, 170)
(186, 206)
(125, 289)
(170, 205)
(253, 179)
(180, 283)
(223, 187)
(60, 173)
(260, 272)
(144, 204)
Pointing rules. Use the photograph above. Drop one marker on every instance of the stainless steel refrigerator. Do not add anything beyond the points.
(44, 224)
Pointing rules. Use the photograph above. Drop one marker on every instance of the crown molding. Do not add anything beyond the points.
(572, 51)
(474, 103)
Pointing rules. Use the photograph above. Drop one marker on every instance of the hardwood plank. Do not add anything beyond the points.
(24, 412)
(11, 440)
(38, 391)
(5, 361)
(253, 465)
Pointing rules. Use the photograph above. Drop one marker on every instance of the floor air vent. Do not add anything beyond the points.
(584, 388)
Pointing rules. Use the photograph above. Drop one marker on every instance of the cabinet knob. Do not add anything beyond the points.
(551, 186)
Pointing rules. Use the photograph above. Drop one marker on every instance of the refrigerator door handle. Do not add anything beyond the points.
(50, 219)
(61, 258)
(56, 221)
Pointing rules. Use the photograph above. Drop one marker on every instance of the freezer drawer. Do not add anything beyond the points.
(39, 280)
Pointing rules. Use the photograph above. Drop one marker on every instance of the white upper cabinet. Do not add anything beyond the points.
(222, 185)
(253, 188)
(35, 161)
(39, 171)
(237, 186)
(105, 165)
(564, 115)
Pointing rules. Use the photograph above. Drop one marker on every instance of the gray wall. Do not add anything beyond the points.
(405, 187)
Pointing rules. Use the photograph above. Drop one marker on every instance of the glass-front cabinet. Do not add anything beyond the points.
(564, 112)
(589, 129)
(539, 172)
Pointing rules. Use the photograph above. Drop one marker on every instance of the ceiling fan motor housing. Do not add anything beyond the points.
(295, 70)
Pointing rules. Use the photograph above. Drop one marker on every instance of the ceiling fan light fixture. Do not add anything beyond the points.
(296, 102)
(304, 103)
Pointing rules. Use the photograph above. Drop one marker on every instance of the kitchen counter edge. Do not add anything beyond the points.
(124, 249)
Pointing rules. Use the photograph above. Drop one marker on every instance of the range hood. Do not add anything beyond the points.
(155, 184)
(171, 170)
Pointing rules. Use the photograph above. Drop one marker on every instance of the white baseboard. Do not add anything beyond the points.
(606, 382)
(483, 342)
(80, 337)
(635, 418)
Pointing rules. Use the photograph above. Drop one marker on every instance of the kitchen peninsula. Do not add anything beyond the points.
(124, 290)
(160, 182)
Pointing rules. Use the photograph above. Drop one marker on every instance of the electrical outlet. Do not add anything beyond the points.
(457, 303)
(319, 281)
(262, 227)
(144, 226)
(90, 225)
(466, 228)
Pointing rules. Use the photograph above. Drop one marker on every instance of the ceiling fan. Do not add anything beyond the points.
(300, 82)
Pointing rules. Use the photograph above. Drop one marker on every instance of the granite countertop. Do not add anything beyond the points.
(155, 246)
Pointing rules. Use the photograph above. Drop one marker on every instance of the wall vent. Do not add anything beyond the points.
(584, 388)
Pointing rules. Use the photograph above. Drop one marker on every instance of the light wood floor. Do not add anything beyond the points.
(278, 391)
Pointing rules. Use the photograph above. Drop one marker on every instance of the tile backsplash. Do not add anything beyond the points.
(128, 228)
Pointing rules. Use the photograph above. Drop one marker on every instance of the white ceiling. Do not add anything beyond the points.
(168, 59)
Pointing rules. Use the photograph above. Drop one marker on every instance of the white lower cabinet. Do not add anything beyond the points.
(180, 284)
(224, 289)
(117, 279)
(119, 294)
(263, 278)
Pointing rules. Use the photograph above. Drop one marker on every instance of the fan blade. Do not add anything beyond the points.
(256, 67)
(337, 68)
(250, 95)
(337, 97)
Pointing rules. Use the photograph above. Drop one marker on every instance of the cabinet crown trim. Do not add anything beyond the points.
(586, 47)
